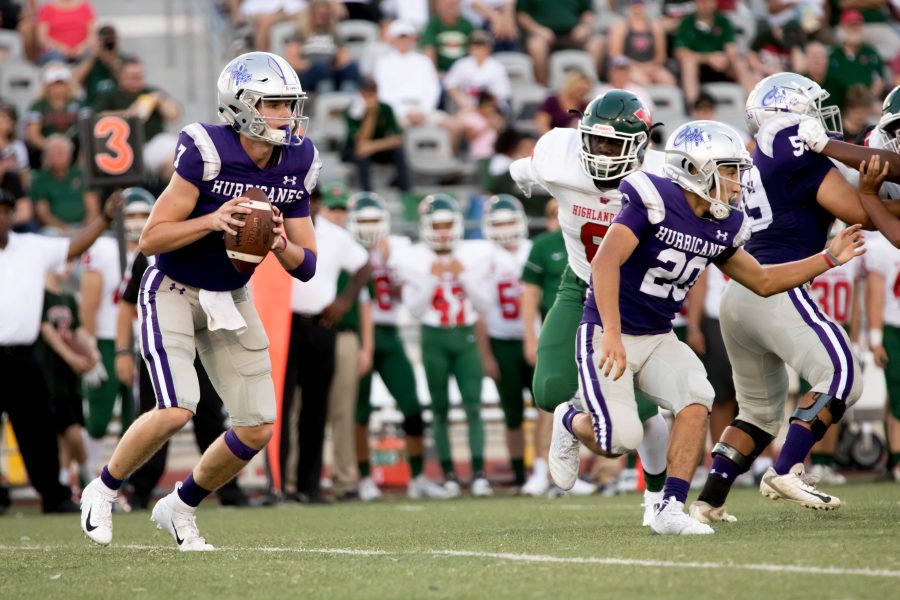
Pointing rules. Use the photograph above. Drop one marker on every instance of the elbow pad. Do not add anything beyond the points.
(307, 268)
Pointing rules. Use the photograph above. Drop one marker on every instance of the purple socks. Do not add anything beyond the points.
(678, 488)
(797, 444)
(191, 493)
(567, 419)
(108, 480)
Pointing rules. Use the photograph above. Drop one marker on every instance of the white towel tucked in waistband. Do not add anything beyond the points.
(221, 313)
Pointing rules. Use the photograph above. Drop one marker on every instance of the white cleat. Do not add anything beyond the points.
(670, 519)
(368, 490)
(651, 499)
(582, 488)
(564, 447)
(481, 488)
(96, 512)
(827, 475)
(421, 487)
(452, 488)
(707, 513)
(181, 524)
(797, 487)
(537, 485)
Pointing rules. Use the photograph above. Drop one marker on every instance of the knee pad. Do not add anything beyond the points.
(810, 414)
(760, 438)
(413, 425)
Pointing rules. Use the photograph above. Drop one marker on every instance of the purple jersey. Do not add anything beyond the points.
(211, 157)
(674, 247)
(787, 222)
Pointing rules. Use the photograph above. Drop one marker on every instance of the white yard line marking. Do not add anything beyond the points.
(531, 558)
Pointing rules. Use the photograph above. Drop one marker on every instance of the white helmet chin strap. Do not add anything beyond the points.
(719, 211)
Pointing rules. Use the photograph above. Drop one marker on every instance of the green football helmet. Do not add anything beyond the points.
(138, 204)
(368, 219)
(889, 124)
(615, 131)
(504, 220)
(440, 209)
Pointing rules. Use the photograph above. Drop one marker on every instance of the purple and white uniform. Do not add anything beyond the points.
(764, 334)
(193, 299)
(211, 157)
(675, 246)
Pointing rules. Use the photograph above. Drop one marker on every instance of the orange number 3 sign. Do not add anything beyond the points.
(116, 156)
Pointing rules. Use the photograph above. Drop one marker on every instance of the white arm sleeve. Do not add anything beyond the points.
(418, 293)
(524, 176)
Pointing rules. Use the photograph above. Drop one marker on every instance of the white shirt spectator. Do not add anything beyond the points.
(470, 77)
(338, 251)
(406, 82)
(24, 265)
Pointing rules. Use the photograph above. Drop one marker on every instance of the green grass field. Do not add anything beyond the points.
(495, 548)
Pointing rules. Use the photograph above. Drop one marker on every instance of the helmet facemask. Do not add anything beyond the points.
(505, 227)
(609, 155)
(443, 238)
(704, 179)
(281, 134)
(368, 225)
(889, 127)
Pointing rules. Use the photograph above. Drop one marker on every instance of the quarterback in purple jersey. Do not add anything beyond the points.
(669, 229)
(193, 301)
(793, 196)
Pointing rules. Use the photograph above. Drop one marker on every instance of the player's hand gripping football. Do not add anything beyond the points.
(872, 175)
(848, 244)
(280, 243)
(612, 355)
(223, 219)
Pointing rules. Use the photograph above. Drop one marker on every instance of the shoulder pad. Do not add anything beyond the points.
(765, 137)
(212, 163)
(647, 195)
(743, 234)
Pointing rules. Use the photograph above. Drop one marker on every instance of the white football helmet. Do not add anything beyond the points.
(138, 204)
(251, 78)
(695, 152)
(792, 93)
(437, 209)
(504, 220)
(368, 219)
(888, 128)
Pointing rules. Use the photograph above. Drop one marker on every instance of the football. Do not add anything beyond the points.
(254, 240)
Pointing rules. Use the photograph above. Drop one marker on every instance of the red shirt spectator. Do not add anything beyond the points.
(64, 27)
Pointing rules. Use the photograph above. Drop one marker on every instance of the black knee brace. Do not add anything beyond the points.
(413, 425)
(810, 415)
(760, 438)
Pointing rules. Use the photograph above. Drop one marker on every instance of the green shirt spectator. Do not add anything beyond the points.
(704, 39)
(560, 16)
(133, 96)
(63, 193)
(545, 266)
(385, 124)
(350, 320)
(54, 119)
(446, 36)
